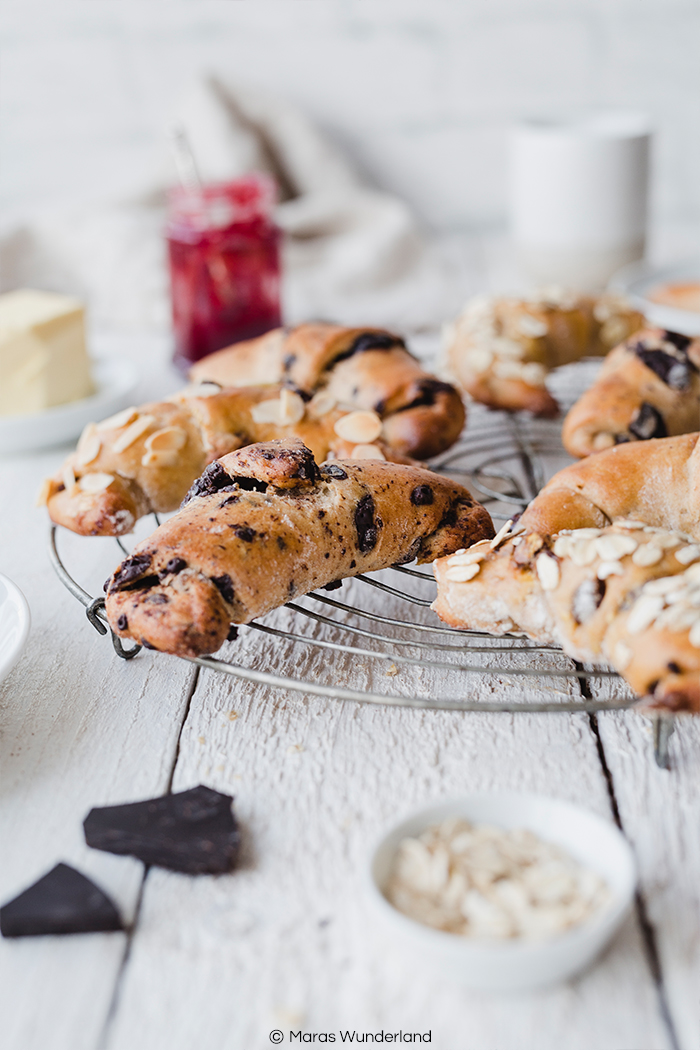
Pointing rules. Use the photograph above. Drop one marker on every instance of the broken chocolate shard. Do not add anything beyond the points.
(63, 901)
(193, 831)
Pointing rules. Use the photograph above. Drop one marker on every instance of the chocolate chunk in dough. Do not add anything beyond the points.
(370, 341)
(422, 495)
(681, 342)
(63, 901)
(193, 831)
(130, 570)
(213, 479)
(648, 423)
(333, 472)
(365, 524)
(224, 585)
(673, 371)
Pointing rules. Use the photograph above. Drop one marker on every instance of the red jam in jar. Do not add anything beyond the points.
(224, 265)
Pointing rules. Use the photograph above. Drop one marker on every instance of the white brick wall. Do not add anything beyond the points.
(419, 91)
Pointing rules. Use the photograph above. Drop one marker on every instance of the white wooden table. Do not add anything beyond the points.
(286, 942)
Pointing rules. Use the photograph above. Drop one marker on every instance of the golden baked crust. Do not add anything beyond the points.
(347, 393)
(265, 524)
(367, 369)
(501, 349)
(656, 481)
(627, 596)
(648, 387)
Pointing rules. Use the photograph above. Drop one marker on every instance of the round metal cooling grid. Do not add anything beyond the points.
(498, 439)
(510, 646)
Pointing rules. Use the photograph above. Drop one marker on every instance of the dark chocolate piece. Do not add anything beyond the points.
(332, 471)
(427, 391)
(213, 479)
(129, 570)
(369, 341)
(333, 585)
(673, 371)
(587, 597)
(232, 633)
(63, 901)
(244, 532)
(224, 585)
(365, 524)
(249, 484)
(193, 831)
(648, 423)
(681, 342)
(122, 622)
(422, 496)
(176, 565)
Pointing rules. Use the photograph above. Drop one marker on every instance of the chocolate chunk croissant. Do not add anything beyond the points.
(266, 524)
(501, 349)
(360, 369)
(347, 393)
(648, 387)
(626, 595)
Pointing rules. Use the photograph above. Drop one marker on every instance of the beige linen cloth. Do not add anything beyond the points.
(351, 253)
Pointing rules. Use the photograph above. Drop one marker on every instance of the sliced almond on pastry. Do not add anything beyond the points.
(367, 452)
(133, 432)
(168, 439)
(94, 483)
(360, 427)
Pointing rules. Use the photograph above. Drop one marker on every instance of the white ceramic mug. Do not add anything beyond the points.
(578, 196)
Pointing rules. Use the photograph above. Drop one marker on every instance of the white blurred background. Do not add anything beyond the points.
(418, 94)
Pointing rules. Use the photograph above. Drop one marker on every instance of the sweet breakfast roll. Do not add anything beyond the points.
(500, 349)
(626, 596)
(145, 459)
(656, 481)
(648, 387)
(266, 524)
(365, 369)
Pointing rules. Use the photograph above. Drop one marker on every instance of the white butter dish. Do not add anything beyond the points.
(115, 381)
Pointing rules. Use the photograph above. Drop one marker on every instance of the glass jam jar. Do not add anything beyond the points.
(224, 264)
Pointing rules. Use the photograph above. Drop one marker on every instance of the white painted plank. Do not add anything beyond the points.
(79, 728)
(659, 812)
(287, 941)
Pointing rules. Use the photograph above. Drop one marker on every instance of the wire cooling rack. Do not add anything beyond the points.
(384, 623)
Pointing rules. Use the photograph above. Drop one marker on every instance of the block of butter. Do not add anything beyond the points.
(43, 358)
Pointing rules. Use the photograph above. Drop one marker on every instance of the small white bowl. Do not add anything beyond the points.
(115, 381)
(514, 964)
(14, 625)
